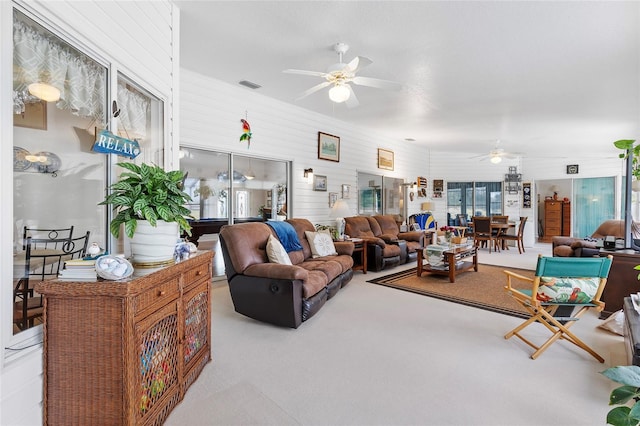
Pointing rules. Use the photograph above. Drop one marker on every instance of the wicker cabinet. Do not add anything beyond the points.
(125, 352)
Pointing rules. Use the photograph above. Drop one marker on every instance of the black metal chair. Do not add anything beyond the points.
(42, 260)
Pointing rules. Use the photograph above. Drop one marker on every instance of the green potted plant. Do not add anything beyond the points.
(630, 148)
(149, 202)
(629, 377)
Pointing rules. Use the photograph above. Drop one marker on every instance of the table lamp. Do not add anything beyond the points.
(428, 206)
(338, 212)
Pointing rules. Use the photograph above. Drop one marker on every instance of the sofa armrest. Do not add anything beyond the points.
(562, 241)
(344, 247)
(388, 238)
(411, 236)
(375, 241)
(583, 244)
(277, 271)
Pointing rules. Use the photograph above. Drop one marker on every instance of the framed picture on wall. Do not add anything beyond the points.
(333, 197)
(319, 183)
(385, 159)
(328, 147)
(346, 190)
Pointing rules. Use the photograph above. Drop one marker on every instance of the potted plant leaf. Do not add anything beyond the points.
(150, 203)
(630, 148)
(629, 377)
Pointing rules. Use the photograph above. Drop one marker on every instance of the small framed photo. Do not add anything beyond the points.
(319, 183)
(385, 159)
(328, 147)
(572, 169)
(333, 197)
(346, 191)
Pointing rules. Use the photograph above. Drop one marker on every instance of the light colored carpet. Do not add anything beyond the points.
(378, 356)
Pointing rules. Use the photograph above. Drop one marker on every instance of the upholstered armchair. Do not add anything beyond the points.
(577, 247)
(380, 255)
(390, 233)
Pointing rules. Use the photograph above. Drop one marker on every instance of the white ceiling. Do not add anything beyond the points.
(544, 78)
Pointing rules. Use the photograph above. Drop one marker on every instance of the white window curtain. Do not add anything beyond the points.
(41, 57)
(135, 113)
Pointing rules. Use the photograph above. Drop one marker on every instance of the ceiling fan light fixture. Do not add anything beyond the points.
(496, 159)
(339, 93)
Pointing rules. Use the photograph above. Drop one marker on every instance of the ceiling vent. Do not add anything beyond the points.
(249, 84)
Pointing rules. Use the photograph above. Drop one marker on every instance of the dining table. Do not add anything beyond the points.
(499, 227)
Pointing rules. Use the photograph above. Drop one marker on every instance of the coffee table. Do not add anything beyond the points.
(454, 262)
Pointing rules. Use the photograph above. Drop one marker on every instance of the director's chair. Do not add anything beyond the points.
(573, 283)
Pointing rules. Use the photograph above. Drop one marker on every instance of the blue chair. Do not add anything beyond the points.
(560, 284)
(425, 221)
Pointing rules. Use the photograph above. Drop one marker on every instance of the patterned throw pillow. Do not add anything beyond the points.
(567, 290)
(321, 244)
(276, 252)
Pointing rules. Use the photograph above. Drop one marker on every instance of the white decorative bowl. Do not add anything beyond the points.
(113, 267)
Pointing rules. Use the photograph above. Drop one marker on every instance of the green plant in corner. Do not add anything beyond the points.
(629, 147)
(147, 192)
(624, 415)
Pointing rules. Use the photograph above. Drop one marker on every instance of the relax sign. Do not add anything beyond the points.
(108, 143)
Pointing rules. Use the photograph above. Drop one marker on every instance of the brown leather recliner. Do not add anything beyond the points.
(391, 233)
(281, 294)
(577, 247)
(380, 255)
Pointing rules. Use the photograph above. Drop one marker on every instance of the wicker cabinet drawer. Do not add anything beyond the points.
(157, 296)
(195, 275)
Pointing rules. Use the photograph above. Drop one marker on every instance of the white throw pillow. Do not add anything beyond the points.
(276, 253)
(321, 244)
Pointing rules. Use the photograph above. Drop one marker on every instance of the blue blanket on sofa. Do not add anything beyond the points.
(286, 234)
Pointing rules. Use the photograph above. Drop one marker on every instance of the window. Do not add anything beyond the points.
(379, 194)
(473, 199)
(61, 103)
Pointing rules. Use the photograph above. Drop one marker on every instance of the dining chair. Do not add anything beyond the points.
(504, 237)
(482, 233)
(50, 233)
(40, 261)
(462, 220)
(559, 283)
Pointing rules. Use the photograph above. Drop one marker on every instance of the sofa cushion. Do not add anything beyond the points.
(328, 267)
(276, 252)
(321, 244)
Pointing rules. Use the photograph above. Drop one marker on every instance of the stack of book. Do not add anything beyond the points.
(78, 270)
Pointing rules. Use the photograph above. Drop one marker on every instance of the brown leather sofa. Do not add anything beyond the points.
(380, 254)
(284, 295)
(390, 233)
(577, 247)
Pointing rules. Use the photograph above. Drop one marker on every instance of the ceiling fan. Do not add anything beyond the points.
(497, 154)
(339, 76)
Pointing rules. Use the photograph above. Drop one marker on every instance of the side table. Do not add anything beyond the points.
(360, 247)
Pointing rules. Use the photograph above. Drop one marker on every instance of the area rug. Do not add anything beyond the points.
(483, 289)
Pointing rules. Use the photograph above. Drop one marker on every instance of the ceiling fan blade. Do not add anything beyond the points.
(313, 90)
(352, 102)
(304, 72)
(377, 83)
(358, 63)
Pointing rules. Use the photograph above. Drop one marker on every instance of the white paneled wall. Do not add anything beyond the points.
(138, 39)
(210, 119)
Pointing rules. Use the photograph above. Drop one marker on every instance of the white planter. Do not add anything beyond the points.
(154, 245)
(635, 185)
